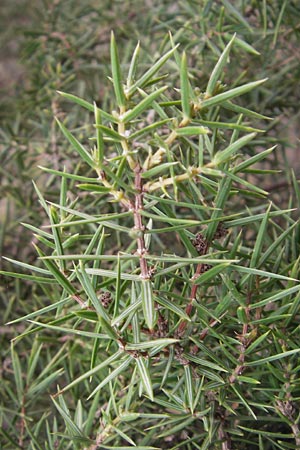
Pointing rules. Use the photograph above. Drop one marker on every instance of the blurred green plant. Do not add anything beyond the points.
(170, 284)
(66, 47)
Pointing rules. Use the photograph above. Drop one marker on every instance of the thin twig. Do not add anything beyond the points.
(189, 307)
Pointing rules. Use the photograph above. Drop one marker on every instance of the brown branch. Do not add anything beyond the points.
(287, 410)
(223, 436)
(22, 423)
(189, 308)
(245, 338)
(241, 360)
(202, 246)
(287, 407)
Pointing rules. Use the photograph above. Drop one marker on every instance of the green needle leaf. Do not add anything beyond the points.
(191, 131)
(89, 290)
(116, 72)
(278, 296)
(76, 145)
(216, 73)
(86, 105)
(54, 219)
(58, 275)
(94, 188)
(145, 376)
(189, 387)
(162, 342)
(260, 240)
(211, 273)
(17, 373)
(133, 66)
(142, 106)
(232, 93)
(148, 303)
(272, 358)
(99, 153)
(150, 72)
(158, 169)
(224, 155)
(73, 428)
(91, 372)
(185, 88)
(110, 132)
(172, 307)
(126, 362)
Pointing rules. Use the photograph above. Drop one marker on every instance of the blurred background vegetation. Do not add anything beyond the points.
(49, 45)
(64, 45)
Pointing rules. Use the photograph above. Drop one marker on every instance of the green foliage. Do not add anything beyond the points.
(164, 305)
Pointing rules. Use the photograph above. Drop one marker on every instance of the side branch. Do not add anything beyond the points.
(189, 307)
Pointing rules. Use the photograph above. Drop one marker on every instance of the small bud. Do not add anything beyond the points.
(163, 327)
(152, 271)
(105, 299)
(200, 244)
(242, 315)
(221, 231)
(205, 268)
(135, 233)
(179, 355)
